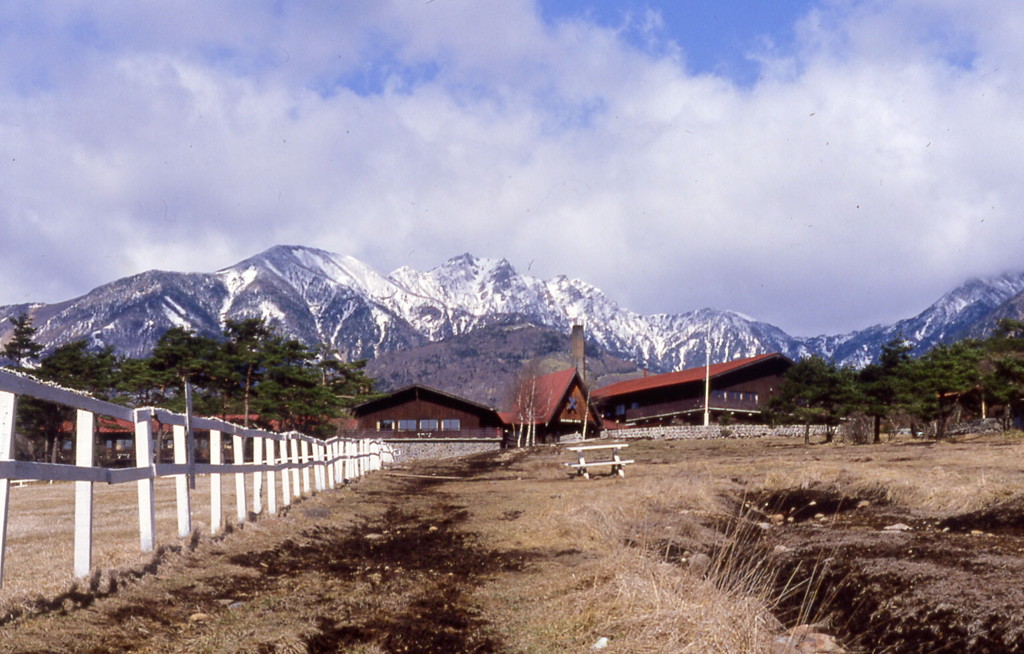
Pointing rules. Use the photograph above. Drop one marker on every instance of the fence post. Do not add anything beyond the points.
(346, 468)
(315, 458)
(376, 460)
(84, 437)
(329, 461)
(327, 479)
(296, 488)
(286, 486)
(271, 481)
(181, 456)
(216, 459)
(239, 458)
(257, 477)
(144, 459)
(304, 457)
(8, 403)
(362, 457)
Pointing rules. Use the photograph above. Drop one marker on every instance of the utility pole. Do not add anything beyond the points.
(707, 382)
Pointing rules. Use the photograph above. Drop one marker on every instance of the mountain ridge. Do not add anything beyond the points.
(321, 297)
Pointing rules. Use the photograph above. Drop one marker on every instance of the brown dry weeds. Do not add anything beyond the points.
(518, 557)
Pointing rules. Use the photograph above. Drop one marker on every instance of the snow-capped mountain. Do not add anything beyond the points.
(320, 297)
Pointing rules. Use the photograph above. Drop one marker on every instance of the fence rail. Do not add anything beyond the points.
(296, 463)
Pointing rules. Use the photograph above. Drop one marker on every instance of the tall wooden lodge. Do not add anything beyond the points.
(740, 388)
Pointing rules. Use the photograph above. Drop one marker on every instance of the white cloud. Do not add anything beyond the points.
(871, 169)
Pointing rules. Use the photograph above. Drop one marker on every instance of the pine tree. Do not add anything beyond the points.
(22, 349)
(884, 384)
(816, 391)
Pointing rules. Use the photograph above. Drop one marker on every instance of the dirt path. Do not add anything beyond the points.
(382, 568)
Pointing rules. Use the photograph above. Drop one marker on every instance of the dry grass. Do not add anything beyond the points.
(955, 476)
(620, 570)
(40, 536)
(609, 557)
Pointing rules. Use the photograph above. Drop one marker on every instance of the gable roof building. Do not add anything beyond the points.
(425, 412)
(740, 388)
(553, 405)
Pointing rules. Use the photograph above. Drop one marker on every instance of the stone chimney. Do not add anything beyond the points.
(579, 350)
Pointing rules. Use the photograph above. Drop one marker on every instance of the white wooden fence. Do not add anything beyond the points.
(296, 463)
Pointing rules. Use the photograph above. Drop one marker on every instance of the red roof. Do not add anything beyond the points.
(674, 378)
(549, 392)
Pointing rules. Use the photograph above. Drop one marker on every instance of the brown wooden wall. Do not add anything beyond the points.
(427, 406)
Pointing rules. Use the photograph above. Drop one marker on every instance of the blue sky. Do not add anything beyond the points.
(717, 38)
(822, 165)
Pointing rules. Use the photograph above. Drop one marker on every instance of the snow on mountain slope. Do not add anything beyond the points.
(321, 297)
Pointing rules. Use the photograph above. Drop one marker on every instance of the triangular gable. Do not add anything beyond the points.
(552, 394)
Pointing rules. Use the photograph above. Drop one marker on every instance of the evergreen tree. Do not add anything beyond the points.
(884, 385)
(179, 357)
(246, 353)
(1003, 368)
(74, 366)
(816, 391)
(22, 349)
(941, 378)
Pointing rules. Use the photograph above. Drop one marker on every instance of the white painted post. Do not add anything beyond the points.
(361, 469)
(257, 477)
(181, 456)
(304, 457)
(84, 436)
(342, 471)
(314, 455)
(144, 459)
(271, 481)
(238, 450)
(8, 403)
(286, 487)
(327, 476)
(216, 507)
(321, 466)
(350, 461)
(296, 488)
(330, 468)
(343, 461)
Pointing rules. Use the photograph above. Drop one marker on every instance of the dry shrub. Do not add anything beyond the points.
(643, 592)
(643, 604)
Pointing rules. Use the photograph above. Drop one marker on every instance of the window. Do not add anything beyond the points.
(620, 409)
(406, 425)
(451, 425)
(428, 425)
(386, 425)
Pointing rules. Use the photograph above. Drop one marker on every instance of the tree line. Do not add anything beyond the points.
(976, 377)
(249, 374)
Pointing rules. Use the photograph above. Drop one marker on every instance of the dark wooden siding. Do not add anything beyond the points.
(747, 390)
(424, 409)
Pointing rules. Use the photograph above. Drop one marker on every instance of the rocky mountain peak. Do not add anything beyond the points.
(322, 297)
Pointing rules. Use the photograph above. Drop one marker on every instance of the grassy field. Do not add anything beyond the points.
(508, 553)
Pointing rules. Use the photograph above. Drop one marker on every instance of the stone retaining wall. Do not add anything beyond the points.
(673, 432)
(409, 449)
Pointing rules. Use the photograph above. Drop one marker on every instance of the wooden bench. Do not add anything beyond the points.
(618, 465)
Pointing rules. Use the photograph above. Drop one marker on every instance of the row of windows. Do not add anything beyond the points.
(734, 395)
(426, 424)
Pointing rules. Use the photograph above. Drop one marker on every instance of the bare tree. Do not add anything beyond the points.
(527, 405)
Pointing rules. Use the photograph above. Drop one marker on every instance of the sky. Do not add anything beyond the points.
(819, 165)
